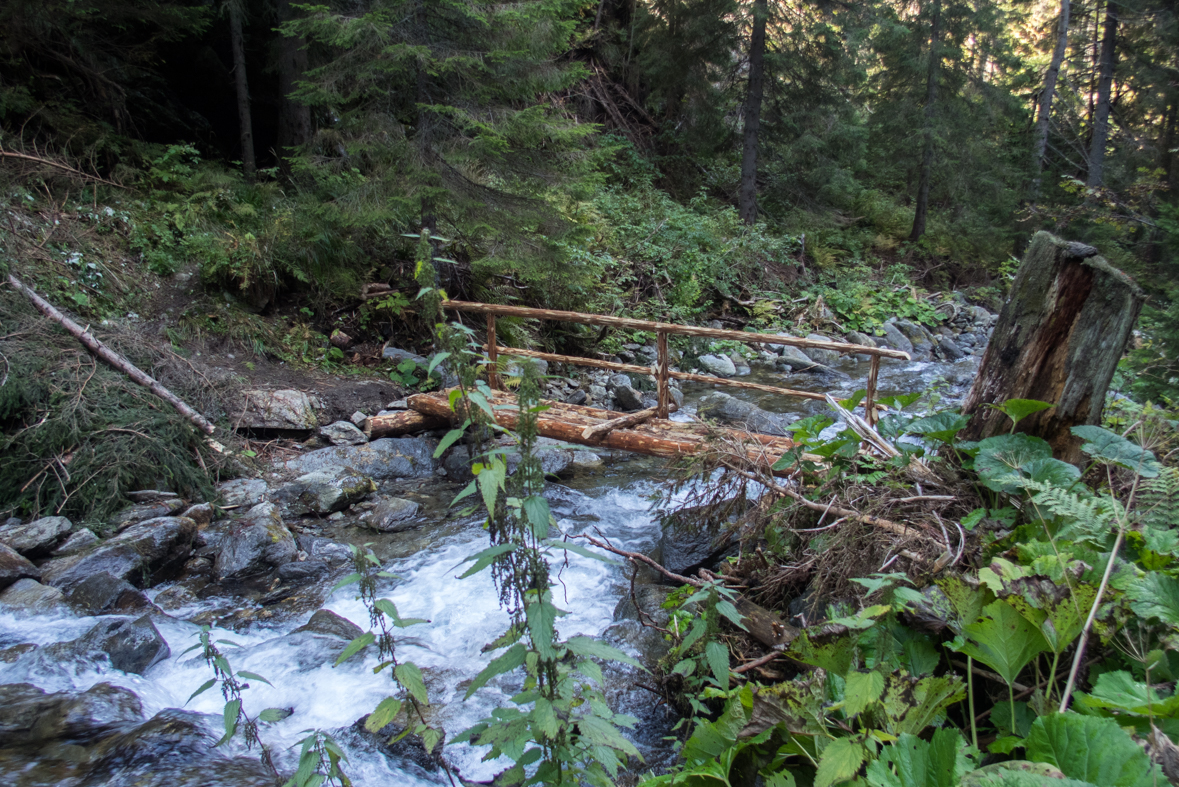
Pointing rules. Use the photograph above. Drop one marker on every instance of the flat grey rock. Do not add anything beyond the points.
(243, 491)
(37, 537)
(144, 554)
(730, 409)
(391, 515)
(79, 541)
(342, 433)
(384, 459)
(285, 409)
(30, 596)
(322, 493)
(720, 365)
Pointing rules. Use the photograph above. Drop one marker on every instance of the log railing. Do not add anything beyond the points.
(662, 371)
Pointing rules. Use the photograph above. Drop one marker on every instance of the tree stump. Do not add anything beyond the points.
(1058, 339)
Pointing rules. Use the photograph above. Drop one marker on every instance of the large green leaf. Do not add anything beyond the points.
(939, 426)
(1091, 749)
(1119, 691)
(595, 648)
(1003, 639)
(1156, 595)
(910, 704)
(1110, 447)
(1005, 455)
(1019, 773)
(1019, 409)
(409, 676)
(1059, 615)
(840, 762)
(912, 762)
(861, 690)
(384, 713)
(718, 661)
(506, 662)
(832, 651)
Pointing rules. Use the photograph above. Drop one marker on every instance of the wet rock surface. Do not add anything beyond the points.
(322, 493)
(732, 410)
(37, 538)
(15, 566)
(143, 555)
(30, 596)
(258, 542)
(383, 459)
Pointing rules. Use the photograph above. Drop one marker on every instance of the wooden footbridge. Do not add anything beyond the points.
(647, 431)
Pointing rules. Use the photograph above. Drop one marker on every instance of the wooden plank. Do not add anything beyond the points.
(404, 422)
(870, 391)
(646, 370)
(576, 360)
(492, 354)
(592, 433)
(661, 377)
(680, 330)
(701, 378)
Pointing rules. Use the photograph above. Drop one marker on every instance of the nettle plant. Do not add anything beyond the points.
(558, 728)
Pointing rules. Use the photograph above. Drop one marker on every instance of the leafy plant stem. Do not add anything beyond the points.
(970, 699)
(1113, 556)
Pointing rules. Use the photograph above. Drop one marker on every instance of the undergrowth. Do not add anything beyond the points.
(76, 435)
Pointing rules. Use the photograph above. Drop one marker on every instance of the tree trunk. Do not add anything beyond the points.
(294, 118)
(747, 198)
(242, 87)
(919, 215)
(1044, 115)
(1109, 40)
(1058, 339)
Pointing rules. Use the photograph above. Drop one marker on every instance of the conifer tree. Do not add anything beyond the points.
(439, 119)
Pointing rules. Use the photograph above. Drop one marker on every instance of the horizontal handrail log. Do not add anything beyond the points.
(682, 330)
(650, 370)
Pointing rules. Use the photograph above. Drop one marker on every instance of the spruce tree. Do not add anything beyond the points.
(440, 115)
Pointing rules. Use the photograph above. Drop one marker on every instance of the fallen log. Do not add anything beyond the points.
(1058, 339)
(601, 430)
(402, 423)
(567, 422)
(110, 356)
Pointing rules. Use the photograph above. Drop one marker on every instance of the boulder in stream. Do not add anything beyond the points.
(256, 543)
(895, 339)
(144, 555)
(104, 594)
(243, 491)
(79, 541)
(31, 597)
(730, 409)
(391, 515)
(38, 537)
(14, 566)
(322, 493)
(720, 365)
(384, 459)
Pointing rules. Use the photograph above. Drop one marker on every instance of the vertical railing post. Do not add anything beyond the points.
(870, 394)
(492, 355)
(662, 377)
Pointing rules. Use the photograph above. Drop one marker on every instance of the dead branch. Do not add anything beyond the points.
(59, 165)
(638, 556)
(883, 524)
(110, 356)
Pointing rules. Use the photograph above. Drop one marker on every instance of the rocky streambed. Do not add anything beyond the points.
(95, 623)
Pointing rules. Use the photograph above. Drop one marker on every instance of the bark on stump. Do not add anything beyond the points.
(1058, 339)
